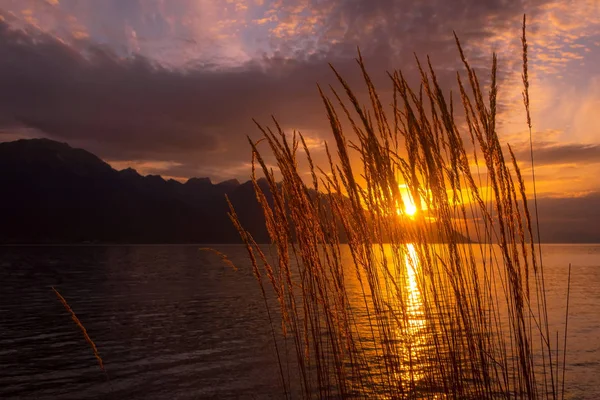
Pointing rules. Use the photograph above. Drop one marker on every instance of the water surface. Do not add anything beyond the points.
(173, 322)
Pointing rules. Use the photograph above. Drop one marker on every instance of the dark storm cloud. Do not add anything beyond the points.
(562, 219)
(121, 101)
(557, 153)
(134, 108)
(570, 220)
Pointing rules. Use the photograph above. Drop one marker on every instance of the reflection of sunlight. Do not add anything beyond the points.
(415, 303)
(412, 334)
(408, 339)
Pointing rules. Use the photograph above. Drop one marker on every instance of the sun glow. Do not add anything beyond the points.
(408, 206)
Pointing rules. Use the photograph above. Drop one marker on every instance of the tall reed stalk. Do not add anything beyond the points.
(409, 308)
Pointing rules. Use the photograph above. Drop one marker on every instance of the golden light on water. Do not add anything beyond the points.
(412, 335)
(415, 300)
(410, 343)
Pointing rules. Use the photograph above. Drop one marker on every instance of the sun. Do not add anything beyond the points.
(409, 208)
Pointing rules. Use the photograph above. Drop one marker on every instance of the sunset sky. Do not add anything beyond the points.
(170, 87)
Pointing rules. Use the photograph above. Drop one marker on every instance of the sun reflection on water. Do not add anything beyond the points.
(401, 345)
(412, 332)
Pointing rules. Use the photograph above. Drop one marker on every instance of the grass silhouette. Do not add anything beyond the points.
(419, 313)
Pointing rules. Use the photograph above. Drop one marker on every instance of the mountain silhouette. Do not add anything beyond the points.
(53, 193)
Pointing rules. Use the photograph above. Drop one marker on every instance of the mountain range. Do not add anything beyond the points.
(53, 193)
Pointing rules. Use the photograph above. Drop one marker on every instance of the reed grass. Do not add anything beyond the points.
(87, 337)
(224, 259)
(408, 309)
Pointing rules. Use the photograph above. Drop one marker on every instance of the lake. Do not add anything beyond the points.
(173, 322)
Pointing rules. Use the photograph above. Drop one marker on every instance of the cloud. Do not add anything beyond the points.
(568, 220)
(549, 153)
(145, 167)
(179, 82)
(171, 87)
(130, 107)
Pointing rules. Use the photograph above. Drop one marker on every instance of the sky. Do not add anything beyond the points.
(170, 87)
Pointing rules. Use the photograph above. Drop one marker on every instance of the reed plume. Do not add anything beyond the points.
(432, 295)
(87, 337)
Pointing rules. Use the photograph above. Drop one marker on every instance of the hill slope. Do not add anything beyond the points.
(53, 193)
